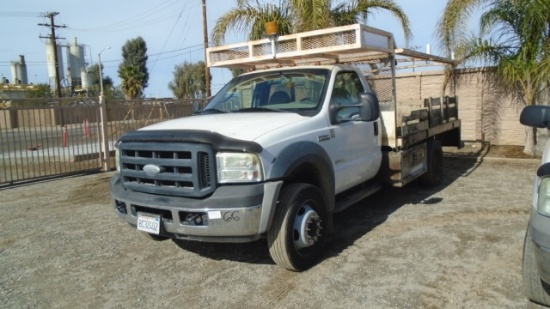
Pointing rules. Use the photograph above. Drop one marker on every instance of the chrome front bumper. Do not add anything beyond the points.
(236, 213)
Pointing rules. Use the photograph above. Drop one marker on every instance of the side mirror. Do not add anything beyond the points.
(333, 112)
(535, 116)
(370, 110)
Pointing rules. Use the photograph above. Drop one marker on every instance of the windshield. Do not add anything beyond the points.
(300, 91)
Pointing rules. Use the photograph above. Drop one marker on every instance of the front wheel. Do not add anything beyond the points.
(299, 230)
(535, 289)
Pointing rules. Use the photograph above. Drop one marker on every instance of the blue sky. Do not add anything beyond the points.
(172, 30)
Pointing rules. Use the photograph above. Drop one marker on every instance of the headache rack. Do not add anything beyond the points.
(351, 44)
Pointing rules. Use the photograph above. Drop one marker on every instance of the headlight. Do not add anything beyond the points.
(117, 158)
(238, 167)
(543, 201)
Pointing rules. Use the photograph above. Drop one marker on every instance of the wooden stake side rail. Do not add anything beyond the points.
(440, 115)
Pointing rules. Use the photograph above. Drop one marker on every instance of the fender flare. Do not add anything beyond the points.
(544, 170)
(296, 155)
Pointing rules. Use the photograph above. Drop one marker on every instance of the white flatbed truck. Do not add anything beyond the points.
(314, 126)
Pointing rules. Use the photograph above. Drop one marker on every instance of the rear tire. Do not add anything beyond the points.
(434, 174)
(299, 230)
(535, 289)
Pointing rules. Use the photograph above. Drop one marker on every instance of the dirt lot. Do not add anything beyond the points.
(456, 246)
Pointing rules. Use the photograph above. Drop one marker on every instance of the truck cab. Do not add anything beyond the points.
(322, 106)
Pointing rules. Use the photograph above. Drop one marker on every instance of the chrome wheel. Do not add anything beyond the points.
(307, 227)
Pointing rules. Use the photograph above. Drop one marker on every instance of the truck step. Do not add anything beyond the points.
(346, 200)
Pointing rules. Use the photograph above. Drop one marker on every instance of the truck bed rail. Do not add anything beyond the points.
(439, 115)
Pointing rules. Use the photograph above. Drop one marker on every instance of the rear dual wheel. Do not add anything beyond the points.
(299, 231)
(434, 174)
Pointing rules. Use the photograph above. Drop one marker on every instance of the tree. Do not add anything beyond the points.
(114, 93)
(133, 69)
(189, 80)
(40, 91)
(317, 14)
(514, 37)
(107, 80)
(252, 18)
(131, 81)
(301, 15)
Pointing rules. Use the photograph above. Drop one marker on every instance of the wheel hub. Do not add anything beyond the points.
(307, 227)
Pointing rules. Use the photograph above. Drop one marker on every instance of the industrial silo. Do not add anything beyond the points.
(19, 71)
(87, 78)
(75, 62)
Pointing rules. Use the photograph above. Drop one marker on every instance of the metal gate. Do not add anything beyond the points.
(46, 138)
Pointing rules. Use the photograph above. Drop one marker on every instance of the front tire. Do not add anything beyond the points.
(299, 230)
(535, 289)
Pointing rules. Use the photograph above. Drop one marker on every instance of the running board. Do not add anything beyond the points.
(346, 201)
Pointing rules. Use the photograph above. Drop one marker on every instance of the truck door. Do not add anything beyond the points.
(356, 143)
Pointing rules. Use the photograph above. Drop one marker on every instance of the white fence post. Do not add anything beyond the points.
(105, 152)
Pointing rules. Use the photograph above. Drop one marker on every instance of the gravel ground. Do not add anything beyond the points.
(455, 246)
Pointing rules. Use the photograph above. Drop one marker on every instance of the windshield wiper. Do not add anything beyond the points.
(211, 111)
(259, 109)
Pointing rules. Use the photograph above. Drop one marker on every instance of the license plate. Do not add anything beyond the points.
(148, 223)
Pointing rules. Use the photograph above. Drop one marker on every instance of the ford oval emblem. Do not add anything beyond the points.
(152, 170)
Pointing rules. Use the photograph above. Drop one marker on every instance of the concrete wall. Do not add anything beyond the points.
(8, 119)
(45, 117)
(30, 118)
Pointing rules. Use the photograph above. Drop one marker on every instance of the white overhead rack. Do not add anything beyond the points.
(345, 44)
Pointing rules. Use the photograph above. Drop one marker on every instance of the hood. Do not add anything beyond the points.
(244, 126)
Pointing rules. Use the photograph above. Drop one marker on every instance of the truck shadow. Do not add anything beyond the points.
(361, 218)
(350, 224)
(256, 252)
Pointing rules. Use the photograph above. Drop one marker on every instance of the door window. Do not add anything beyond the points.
(347, 92)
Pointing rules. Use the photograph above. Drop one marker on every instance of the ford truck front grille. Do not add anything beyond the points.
(176, 169)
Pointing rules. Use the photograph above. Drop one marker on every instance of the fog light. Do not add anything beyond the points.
(120, 206)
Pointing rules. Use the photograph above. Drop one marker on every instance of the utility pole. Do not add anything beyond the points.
(53, 38)
(205, 37)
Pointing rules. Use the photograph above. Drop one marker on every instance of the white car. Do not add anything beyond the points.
(536, 249)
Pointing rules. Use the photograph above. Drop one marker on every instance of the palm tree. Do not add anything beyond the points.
(252, 18)
(131, 81)
(301, 15)
(514, 38)
(318, 14)
(133, 69)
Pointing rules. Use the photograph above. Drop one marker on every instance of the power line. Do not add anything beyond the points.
(147, 17)
(20, 14)
(188, 49)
